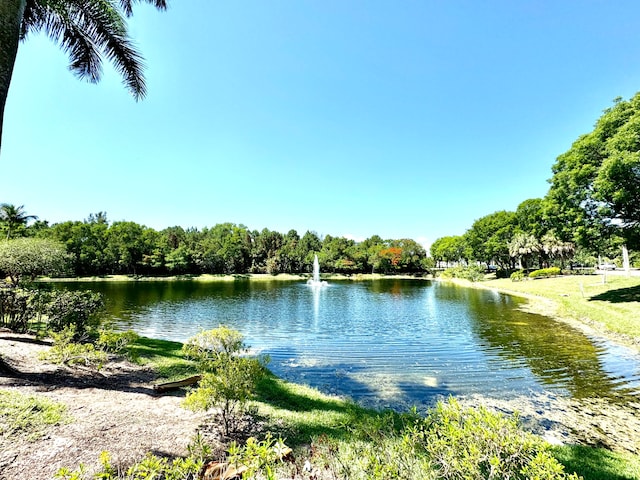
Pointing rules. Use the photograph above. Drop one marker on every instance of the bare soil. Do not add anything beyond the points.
(114, 410)
(117, 410)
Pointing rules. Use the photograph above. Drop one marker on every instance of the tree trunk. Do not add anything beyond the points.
(11, 13)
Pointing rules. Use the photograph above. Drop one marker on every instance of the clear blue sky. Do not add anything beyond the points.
(403, 119)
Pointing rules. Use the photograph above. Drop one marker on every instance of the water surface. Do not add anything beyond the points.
(387, 343)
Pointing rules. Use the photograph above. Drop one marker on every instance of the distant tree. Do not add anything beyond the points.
(309, 245)
(489, 236)
(556, 249)
(531, 217)
(451, 249)
(30, 257)
(523, 247)
(87, 30)
(14, 219)
(127, 245)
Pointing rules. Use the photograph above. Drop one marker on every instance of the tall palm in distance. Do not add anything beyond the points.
(87, 30)
(12, 218)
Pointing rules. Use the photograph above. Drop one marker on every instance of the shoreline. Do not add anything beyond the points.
(255, 277)
(548, 307)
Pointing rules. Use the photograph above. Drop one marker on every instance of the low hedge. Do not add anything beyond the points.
(545, 272)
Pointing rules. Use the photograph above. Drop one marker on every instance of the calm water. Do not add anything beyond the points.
(385, 343)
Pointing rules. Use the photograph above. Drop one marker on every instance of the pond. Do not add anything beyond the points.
(386, 343)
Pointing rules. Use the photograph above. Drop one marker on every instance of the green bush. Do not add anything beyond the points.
(475, 443)
(545, 272)
(473, 273)
(228, 379)
(111, 341)
(66, 351)
(16, 308)
(517, 276)
(76, 309)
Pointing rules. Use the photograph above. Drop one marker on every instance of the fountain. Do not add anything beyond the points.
(315, 281)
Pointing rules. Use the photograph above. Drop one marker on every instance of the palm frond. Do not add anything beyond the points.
(88, 30)
(127, 5)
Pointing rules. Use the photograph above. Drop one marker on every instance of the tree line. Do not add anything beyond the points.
(591, 211)
(96, 246)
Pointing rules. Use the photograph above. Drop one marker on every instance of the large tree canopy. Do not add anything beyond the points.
(85, 29)
(595, 188)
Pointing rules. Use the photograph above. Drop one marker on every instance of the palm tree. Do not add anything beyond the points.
(555, 248)
(14, 217)
(85, 29)
(523, 246)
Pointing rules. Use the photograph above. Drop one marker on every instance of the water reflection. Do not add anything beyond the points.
(559, 355)
(383, 342)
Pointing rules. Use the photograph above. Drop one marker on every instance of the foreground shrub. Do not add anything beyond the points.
(24, 309)
(450, 443)
(66, 351)
(228, 380)
(475, 443)
(73, 309)
(16, 308)
(545, 272)
(111, 341)
(150, 467)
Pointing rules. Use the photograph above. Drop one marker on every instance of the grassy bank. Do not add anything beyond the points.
(610, 303)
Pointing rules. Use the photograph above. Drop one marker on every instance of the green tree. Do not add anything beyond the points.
(595, 188)
(523, 247)
(556, 249)
(127, 245)
(14, 219)
(86, 242)
(489, 236)
(451, 249)
(31, 257)
(87, 30)
(531, 217)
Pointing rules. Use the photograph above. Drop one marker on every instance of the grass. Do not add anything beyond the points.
(165, 357)
(614, 304)
(598, 463)
(27, 415)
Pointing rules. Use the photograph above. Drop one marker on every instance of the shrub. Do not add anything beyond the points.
(228, 379)
(475, 443)
(473, 273)
(150, 467)
(111, 341)
(65, 351)
(545, 272)
(73, 309)
(517, 276)
(16, 308)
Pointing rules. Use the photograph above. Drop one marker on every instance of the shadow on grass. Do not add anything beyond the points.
(598, 463)
(620, 295)
(309, 414)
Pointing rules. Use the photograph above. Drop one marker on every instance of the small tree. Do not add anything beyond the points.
(228, 379)
(30, 257)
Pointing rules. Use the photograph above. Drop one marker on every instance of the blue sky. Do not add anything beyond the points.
(403, 119)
